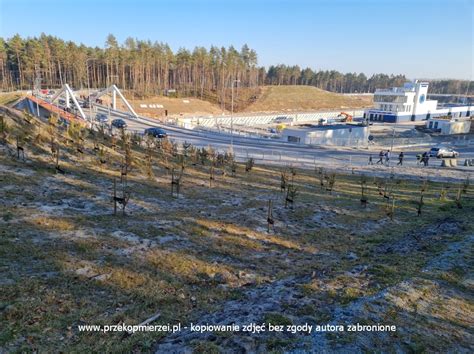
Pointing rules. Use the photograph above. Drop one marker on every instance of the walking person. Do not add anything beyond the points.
(400, 159)
(387, 157)
(380, 161)
(424, 158)
(419, 159)
(370, 160)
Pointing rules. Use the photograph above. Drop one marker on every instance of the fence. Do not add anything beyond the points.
(250, 120)
(464, 140)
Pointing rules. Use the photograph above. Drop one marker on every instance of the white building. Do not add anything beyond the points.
(338, 134)
(449, 125)
(410, 103)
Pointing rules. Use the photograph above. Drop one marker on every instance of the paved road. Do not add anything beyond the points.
(284, 153)
(277, 150)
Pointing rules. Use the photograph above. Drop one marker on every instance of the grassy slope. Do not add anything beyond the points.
(270, 99)
(175, 106)
(304, 98)
(9, 97)
(65, 260)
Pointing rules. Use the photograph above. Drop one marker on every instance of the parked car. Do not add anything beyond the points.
(119, 123)
(102, 118)
(156, 132)
(442, 152)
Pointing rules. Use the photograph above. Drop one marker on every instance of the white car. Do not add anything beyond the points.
(442, 152)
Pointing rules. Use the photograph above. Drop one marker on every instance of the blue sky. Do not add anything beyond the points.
(419, 38)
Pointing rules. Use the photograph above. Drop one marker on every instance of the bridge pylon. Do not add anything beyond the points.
(114, 90)
(69, 95)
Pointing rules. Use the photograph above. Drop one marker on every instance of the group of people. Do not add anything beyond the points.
(423, 158)
(384, 158)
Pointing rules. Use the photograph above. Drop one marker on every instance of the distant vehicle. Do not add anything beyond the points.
(323, 121)
(156, 132)
(119, 123)
(102, 118)
(347, 117)
(283, 119)
(442, 152)
(63, 122)
(85, 104)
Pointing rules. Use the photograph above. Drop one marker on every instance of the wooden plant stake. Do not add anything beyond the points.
(115, 197)
(380, 186)
(443, 193)
(270, 221)
(19, 149)
(465, 185)
(458, 198)
(211, 176)
(149, 163)
(3, 130)
(53, 149)
(176, 182)
(123, 200)
(291, 192)
(113, 142)
(123, 171)
(391, 208)
(363, 191)
(80, 148)
(283, 181)
(330, 181)
(320, 173)
(57, 167)
(102, 156)
(420, 202)
(249, 165)
(233, 168)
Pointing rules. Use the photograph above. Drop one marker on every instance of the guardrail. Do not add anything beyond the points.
(52, 108)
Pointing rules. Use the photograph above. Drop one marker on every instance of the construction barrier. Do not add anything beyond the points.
(469, 162)
(449, 163)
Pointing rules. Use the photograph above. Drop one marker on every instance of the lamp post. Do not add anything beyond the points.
(89, 89)
(232, 115)
(391, 146)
